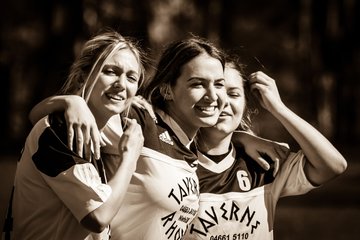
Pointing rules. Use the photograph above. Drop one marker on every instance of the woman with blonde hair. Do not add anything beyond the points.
(59, 194)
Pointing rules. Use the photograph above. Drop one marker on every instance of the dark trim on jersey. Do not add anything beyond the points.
(152, 130)
(227, 181)
(53, 156)
(218, 158)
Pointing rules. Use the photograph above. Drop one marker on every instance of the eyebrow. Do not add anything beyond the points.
(205, 79)
(118, 67)
(232, 88)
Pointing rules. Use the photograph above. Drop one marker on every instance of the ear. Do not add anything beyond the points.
(166, 92)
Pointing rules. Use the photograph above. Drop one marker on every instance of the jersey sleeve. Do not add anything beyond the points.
(75, 181)
(141, 116)
(80, 189)
(291, 179)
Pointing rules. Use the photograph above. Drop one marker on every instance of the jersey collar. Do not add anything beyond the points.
(175, 127)
(217, 167)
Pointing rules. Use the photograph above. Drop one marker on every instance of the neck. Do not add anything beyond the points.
(213, 145)
(101, 123)
(187, 127)
(101, 120)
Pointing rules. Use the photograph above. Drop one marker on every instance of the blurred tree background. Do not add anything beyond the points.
(311, 48)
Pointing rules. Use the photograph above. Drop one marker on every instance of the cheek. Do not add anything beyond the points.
(131, 90)
(97, 92)
(184, 96)
(222, 95)
(100, 86)
(238, 107)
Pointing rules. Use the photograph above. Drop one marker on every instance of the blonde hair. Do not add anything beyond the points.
(85, 71)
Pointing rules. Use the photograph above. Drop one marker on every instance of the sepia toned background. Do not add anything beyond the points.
(311, 48)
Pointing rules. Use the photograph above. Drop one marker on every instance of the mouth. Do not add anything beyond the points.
(223, 114)
(207, 110)
(114, 96)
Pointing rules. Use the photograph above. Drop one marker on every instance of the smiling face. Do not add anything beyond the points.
(198, 95)
(232, 114)
(116, 85)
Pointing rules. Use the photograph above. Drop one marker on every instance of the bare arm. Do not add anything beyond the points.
(324, 162)
(80, 121)
(130, 146)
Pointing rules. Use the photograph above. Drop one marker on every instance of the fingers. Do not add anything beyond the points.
(282, 150)
(278, 155)
(84, 137)
(79, 140)
(137, 103)
(132, 138)
(70, 136)
(254, 154)
(87, 142)
(140, 102)
(150, 110)
(269, 163)
(130, 124)
(270, 157)
(276, 166)
(260, 81)
(260, 77)
(262, 162)
(96, 140)
(102, 142)
(82, 128)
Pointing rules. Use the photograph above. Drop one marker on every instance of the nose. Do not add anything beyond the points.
(226, 101)
(120, 82)
(211, 94)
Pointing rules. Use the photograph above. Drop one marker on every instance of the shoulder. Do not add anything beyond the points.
(258, 175)
(142, 116)
(58, 125)
(53, 155)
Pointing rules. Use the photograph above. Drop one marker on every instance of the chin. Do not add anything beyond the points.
(209, 122)
(116, 109)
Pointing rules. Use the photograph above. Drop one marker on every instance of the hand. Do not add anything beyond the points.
(257, 147)
(265, 90)
(131, 142)
(81, 123)
(141, 102)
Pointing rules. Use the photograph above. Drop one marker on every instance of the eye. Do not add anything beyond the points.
(196, 84)
(132, 79)
(109, 71)
(220, 83)
(234, 94)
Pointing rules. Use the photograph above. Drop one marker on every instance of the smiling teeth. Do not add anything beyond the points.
(207, 108)
(116, 97)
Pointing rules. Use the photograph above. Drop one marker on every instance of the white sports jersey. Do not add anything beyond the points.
(163, 195)
(54, 187)
(238, 198)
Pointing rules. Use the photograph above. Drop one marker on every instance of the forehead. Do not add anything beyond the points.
(232, 78)
(204, 66)
(125, 58)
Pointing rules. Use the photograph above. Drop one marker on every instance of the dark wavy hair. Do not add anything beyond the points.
(169, 68)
